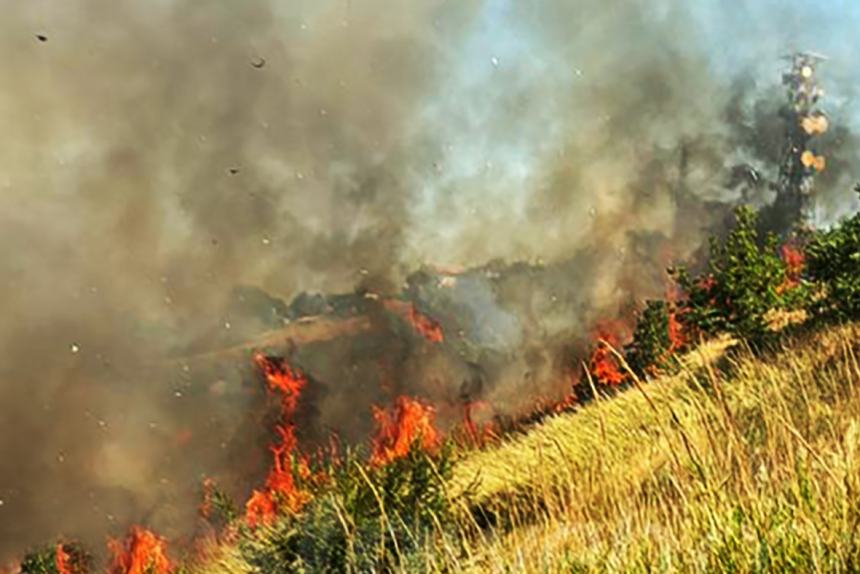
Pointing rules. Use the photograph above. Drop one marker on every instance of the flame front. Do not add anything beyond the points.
(408, 423)
(142, 553)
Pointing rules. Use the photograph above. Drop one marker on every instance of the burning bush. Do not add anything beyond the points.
(363, 519)
(62, 558)
(143, 552)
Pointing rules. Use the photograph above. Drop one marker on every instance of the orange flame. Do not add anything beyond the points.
(63, 560)
(409, 422)
(677, 334)
(795, 262)
(428, 327)
(282, 491)
(282, 379)
(603, 366)
(142, 553)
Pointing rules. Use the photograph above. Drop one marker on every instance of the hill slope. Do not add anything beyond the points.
(737, 464)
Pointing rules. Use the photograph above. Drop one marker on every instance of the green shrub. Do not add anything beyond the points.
(367, 519)
(833, 261)
(741, 285)
(652, 349)
(43, 561)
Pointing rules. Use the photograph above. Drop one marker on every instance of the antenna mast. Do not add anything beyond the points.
(799, 162)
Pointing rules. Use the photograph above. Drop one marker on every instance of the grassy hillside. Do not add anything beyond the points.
(752, 467)
(736, 464)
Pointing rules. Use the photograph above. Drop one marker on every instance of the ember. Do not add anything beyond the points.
(282, 379)
(408, 423)
(142, 553)
(260, 509)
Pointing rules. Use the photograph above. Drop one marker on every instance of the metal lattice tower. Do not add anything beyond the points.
(799, 162)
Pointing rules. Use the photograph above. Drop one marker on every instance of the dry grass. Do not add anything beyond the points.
(751, 470)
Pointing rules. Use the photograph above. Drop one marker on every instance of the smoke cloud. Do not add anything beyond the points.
(159, 155)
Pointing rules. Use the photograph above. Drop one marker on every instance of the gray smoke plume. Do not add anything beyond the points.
(159, 155)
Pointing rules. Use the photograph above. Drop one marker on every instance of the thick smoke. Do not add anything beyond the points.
(158, 155)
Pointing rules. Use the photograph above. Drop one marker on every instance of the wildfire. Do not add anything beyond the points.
(409, 422)
(428, 327)
(282, 491)
(142, 553)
